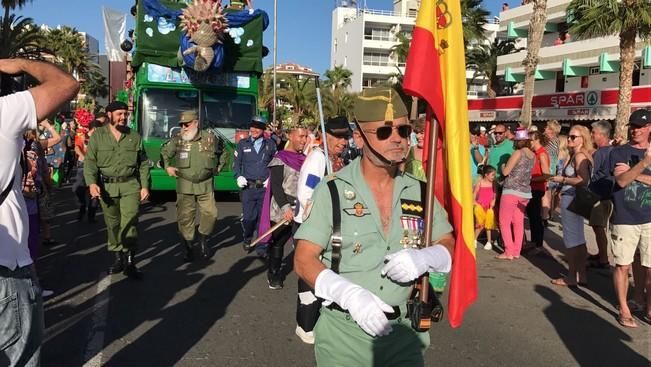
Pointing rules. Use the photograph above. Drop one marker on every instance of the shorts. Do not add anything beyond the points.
(484, 218)
(600, 214)
(627, 238)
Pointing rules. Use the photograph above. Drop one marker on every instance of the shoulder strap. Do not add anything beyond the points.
(7, 190)
(336, 227)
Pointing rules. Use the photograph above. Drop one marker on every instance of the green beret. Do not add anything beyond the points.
(188, 116)
(379, 104)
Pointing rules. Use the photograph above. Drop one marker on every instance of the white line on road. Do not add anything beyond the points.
(95, 345)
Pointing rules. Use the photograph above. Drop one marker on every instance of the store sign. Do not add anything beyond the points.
(487, 114)
(578, 111)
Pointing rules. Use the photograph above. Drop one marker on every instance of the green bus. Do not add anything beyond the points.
(226, 99)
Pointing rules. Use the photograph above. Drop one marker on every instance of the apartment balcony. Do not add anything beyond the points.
(582, 53)
(382, 68)
(386, 16)
(379, 43)
(519, 16)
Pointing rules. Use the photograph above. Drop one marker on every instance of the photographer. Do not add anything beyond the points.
(19, 112)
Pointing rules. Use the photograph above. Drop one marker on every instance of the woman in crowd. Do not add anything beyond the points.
(515, 195)
(539, 176)
(414, 163)
(575, 172)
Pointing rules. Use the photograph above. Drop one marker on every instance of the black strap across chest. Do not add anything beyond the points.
(6, 191)
(336, 237)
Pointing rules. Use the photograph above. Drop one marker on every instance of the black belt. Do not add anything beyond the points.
(391, 316)
(109, 179)
(24, 272)
(254, 184)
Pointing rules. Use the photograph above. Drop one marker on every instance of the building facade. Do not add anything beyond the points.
(363, 41)
(575, 80)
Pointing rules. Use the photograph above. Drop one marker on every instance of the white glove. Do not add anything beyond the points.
(407, 265)
(365, 308)
(266, 182)
(241, 182)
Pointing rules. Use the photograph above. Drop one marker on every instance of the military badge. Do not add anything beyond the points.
(349, 195)
(358, 248)
(358, 210)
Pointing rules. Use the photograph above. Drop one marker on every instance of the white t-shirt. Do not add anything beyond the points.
(17, 114)
(311, 174)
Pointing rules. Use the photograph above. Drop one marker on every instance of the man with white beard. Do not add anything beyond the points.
(192, 156)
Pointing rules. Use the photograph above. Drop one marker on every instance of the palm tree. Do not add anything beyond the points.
(22, 38)
(401, 49)
(337, 103)
(483, 60)
(300, 93)
(530, 62)
(94, 83)
(627, 19)
(67, 44)
(474, 17)
(338, 78)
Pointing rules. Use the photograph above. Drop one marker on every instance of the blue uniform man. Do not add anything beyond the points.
(252, 156)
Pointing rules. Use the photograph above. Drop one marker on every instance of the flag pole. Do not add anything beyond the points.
(323, 131)
(429, 196)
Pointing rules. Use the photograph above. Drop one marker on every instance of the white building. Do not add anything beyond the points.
(575, 80)
(362, 42)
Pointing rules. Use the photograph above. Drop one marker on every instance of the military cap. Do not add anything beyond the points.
(258, 122)
(188, 116)
(379, 104)
(116, 105)
(338, 126)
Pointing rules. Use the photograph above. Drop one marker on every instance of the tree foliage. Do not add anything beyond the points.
(483, 60)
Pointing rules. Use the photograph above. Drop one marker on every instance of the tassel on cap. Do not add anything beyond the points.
(388, 114)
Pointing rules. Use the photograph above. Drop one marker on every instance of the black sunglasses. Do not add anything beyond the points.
(384, 132)
(185, 124)
(572, 137)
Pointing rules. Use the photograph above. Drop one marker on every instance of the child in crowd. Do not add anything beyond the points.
(485, 194)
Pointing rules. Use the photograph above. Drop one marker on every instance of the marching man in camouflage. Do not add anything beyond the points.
(116, 170)
(192, 156)
(356, 245)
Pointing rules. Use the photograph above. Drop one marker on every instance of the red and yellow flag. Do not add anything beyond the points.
(436, 72)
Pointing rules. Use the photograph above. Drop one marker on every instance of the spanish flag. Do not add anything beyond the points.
(436, 73)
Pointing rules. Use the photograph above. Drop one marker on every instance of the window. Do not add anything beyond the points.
(560, 82)
(377, 59)
(161, 110)
(594, 70)
(345, 61)
(346, 38)
(227, 112)
(289, 68)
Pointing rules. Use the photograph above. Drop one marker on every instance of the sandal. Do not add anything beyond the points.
(504, 257)
(627, 322)
(562, 283)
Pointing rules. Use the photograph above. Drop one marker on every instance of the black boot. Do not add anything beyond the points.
(91, 214)
(206, 252)
(274, 275)
(130, 269)
(118, 263)
(187, 245)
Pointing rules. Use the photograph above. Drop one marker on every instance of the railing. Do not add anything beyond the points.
(389, 13)
(379, 38)
(385, 63)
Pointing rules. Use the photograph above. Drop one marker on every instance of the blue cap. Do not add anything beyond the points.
(258, 121)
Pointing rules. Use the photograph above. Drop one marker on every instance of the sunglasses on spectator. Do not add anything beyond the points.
(185, 124)
(384, 132)
(573, 137)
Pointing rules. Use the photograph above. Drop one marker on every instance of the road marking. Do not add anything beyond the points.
(95, 345)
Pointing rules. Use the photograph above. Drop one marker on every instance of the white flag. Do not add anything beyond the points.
(115, 26)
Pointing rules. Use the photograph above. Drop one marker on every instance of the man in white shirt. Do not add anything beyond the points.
(21, 306)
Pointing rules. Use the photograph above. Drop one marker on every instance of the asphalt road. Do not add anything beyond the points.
(219, 312)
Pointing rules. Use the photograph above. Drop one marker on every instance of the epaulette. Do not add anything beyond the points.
(330, 177)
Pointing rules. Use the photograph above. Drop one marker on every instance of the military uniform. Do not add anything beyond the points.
(353, 283)
(252, 165)
(121, 169)
(196, 162)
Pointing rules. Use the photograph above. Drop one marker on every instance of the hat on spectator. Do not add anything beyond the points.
(640, 118)
(188, 116)
(482, 128)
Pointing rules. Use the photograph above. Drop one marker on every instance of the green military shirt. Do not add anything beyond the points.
(196, 161)
(109, 157)
(364, 243)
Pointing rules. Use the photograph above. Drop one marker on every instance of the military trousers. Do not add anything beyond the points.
(186, 213)
(340, 342)
(121, 218)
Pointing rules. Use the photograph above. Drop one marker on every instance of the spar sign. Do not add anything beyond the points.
(574, 99)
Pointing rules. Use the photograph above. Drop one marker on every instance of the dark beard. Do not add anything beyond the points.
(122, 128)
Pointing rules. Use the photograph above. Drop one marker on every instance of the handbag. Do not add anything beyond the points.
(584, 200)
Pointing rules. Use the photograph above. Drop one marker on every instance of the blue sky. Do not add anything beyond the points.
(303, 25)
